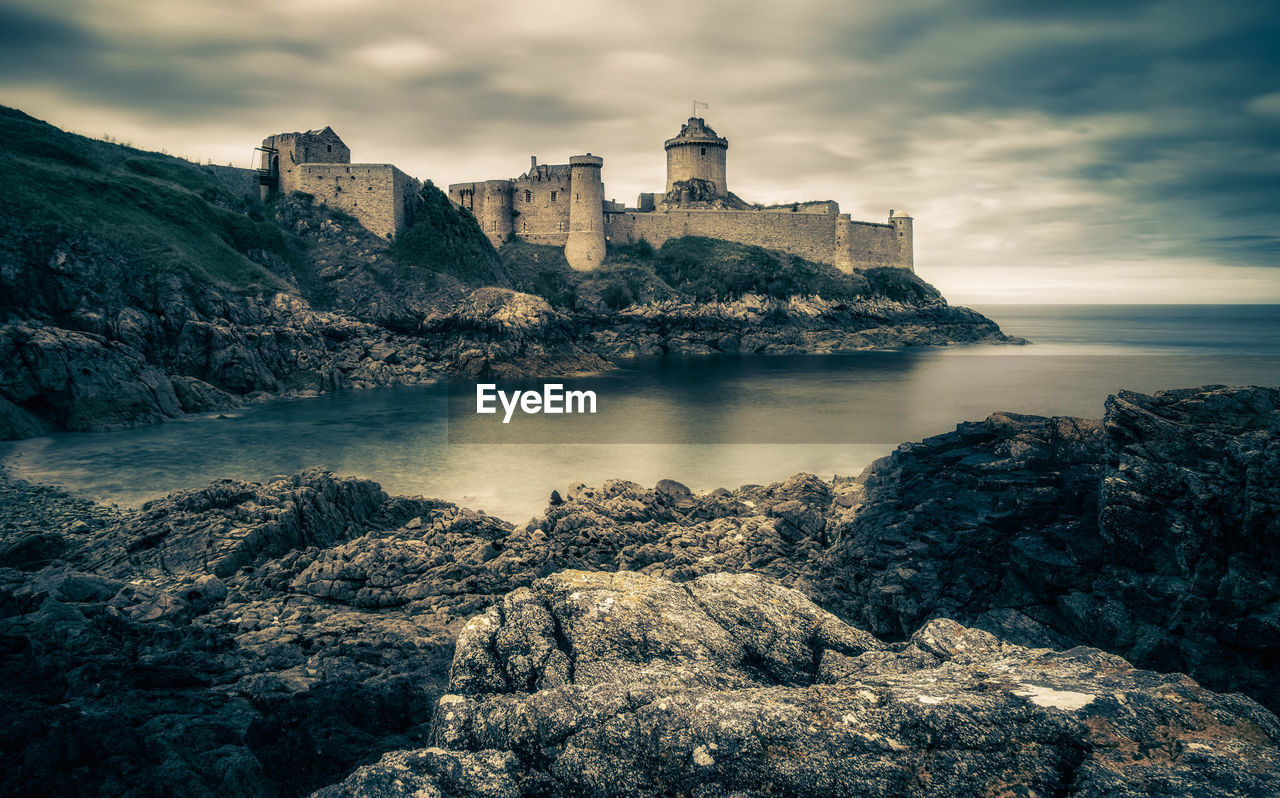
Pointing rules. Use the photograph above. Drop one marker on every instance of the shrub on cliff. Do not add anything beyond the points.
(542, 270)
(697, 268)
(709, 270)
(441, 237)
(901, 285)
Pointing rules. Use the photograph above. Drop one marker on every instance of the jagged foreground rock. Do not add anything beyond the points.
(269, 639)
(591, 684)
(1154, 534)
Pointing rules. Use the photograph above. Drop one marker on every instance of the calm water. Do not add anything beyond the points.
(705, 421)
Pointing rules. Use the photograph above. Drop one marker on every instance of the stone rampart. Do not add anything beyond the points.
(376, 194)
(808, 235)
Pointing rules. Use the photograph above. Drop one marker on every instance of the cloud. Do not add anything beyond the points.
(403, 57)
(1023, 136)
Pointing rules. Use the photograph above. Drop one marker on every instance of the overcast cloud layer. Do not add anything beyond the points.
(1091, 151)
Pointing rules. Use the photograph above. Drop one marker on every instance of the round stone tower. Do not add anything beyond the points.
(585, 248)
(495, 214)
(697, 153)
(905, 250)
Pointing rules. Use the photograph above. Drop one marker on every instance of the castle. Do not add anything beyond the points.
(319, 164)
(563, 204)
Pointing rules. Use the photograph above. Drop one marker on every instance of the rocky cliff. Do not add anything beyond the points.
(935, 626)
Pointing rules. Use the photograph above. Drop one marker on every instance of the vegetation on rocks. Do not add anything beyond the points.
(441, 237)
(697, 269)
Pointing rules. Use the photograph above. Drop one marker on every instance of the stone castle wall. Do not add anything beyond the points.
(585, 249)
(873, 245)
(535, 207)
(241, 182)
(808, 235)
(376, 194)
(490, 202)
(821, 237)
(540, 201)
(295, 149)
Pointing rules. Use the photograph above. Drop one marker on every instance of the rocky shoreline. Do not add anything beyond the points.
(971, 616)
(95, 372)
(91, 342)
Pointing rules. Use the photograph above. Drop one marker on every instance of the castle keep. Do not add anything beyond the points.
(319, 164)
(564, 205)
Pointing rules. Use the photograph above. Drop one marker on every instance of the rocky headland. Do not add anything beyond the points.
(135, 287)
(1026, 605)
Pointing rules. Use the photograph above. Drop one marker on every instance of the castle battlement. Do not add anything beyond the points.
(695, 132)
(563, 204)
(545, 206)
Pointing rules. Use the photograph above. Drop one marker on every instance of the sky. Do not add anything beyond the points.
(1091, 151)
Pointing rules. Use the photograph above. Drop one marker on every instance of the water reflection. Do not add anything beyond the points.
(707, 422)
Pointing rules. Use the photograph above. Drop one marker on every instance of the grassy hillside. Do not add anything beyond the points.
(164, 214)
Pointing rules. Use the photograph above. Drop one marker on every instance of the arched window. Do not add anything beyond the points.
(528, 196)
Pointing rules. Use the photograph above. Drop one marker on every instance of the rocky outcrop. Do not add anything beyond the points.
(223, 641)
(702, 195)
(98, 347)
(755, 324)
(272, 639)
(619, 684)
(63, 379)
(1152, 534)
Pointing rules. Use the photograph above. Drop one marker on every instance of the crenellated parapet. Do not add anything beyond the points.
(564, 205)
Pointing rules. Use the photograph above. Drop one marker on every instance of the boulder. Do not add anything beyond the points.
(692, 709)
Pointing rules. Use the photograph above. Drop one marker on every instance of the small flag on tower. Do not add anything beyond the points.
(696, 103)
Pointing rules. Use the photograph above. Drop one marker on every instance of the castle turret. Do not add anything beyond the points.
(697, 153)
(282, 153)
(843, 249)
(904, 249)
(585, 247)
(495, 216)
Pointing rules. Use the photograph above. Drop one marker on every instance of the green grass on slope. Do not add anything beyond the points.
(164, 214)
(710, 269)
(441, 237)
(703, 269)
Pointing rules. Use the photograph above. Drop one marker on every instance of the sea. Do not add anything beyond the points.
(706, 421)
